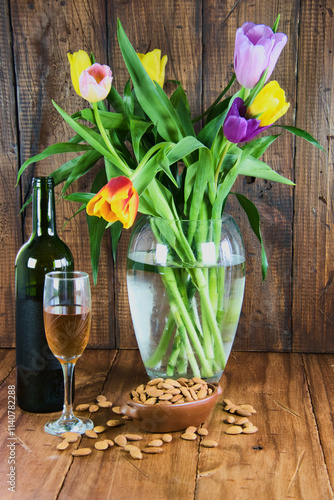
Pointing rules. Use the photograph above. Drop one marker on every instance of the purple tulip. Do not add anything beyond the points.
(236, 127)
(257, 48)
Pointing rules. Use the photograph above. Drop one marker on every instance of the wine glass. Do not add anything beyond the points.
(67, 319)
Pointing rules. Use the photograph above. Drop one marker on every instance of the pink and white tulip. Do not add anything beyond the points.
(95, 82)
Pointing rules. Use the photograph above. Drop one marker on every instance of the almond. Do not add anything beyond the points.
(250, 430)
(70, 437)
(91, 434)
(81, 452)
(121, 440)
(101, 398)
(63, 445)
(189, 436)
(114, 423)
(209, 443)
(133, 437)
(101, 445)
(83, 407)
(234, 429)
(93, 408)
(136, 453)
(99, 428)
(156, 443)
(105, 404)
(152, 450)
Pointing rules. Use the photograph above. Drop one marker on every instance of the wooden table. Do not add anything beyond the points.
(291, 456)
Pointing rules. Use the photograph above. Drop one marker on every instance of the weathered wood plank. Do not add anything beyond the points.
(170, 474)
(313, 297)
(319, 371)
(40, 468)
(175, 28)
(7, 363)
(267, 306)
(43, 34)
(10, 223)
(285, 458)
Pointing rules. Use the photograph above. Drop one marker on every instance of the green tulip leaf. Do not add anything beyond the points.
(254, 220)
(155, 104)
(257, 147)
(109, 120)
(84, 165)
(92, 137)
(302, 133)
(96, 227)
(61, 147)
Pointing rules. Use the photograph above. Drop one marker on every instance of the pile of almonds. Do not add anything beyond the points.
(125, 441)
(158, 392)
(168, 391)
(238, 418)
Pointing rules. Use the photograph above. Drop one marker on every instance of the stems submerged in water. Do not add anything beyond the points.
(196, 295)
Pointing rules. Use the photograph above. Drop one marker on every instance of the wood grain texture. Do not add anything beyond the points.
(289, 457)
(160, 476)
(319, 370)
(43, 34)
(313, 317)
(264, 465)
(10, 224)
(293, 308)
(41, 469)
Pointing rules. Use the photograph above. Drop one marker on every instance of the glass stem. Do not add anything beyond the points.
(68, 370)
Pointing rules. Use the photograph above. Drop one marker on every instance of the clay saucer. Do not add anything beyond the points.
(155, 418)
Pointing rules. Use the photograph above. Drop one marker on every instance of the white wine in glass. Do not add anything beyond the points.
(67, 319)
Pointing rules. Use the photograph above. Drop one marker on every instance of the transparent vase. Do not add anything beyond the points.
(186, 283)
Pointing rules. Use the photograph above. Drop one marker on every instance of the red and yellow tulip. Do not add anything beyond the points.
(117, 200)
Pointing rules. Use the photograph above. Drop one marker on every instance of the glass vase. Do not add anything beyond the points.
(185, 284)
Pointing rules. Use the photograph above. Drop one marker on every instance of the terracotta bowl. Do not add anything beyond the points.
(172, 417)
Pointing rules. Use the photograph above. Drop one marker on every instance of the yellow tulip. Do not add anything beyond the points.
(269, 105)
(79, 61)
(154, 65)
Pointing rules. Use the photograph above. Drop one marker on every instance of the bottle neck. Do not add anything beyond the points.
(43, 207)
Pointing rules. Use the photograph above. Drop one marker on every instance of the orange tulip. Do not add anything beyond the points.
(117, 200)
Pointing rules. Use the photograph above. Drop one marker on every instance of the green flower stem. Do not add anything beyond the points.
(182, 312)
(225, 147)
(147, 157)
(210, 316)
(163, 344)
(216, 101)
(182, 364)
(221, 294)
(213, 289)
(173, 359)
(185, 252)
(186, 342)
(120, 163)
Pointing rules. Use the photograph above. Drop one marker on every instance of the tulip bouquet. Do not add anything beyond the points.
(155, 164)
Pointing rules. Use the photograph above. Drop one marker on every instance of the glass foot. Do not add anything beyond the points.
(77, 424)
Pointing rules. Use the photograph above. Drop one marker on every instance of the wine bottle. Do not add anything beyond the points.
(39, 378)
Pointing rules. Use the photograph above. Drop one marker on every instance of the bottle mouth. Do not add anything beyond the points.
(43, 181)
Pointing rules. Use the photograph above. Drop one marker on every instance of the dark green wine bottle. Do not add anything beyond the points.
(39, 378)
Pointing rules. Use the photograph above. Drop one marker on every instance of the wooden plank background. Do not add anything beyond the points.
(293, 309)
